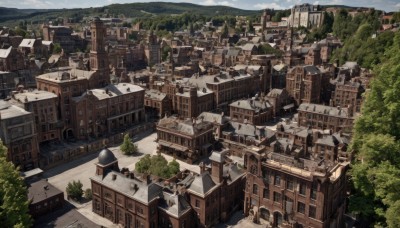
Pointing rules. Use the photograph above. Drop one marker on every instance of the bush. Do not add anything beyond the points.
(157, 165)
(74, 190)
(88, 193)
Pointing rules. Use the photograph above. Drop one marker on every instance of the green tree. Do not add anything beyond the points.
(88, 194)
(173, 167)
(57, 48)
(225, 31)
(14, 204)
(74, 190)
(127, 146)
(143, 165)
(376, 143)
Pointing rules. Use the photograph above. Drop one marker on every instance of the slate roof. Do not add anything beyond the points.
(323, 109)
(249, 104)
(112, 90)
(202, 184)
(106, 157)
(27, 43)
(132, 188)
(275, 93)
(173, 204)
(213, 118)
(41, 190)
(184, 126)
(233, 171)
(8, 111)
(35, 95)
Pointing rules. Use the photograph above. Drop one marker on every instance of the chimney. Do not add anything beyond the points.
(114, 176)
(202, 167)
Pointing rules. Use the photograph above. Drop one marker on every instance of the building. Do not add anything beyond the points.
(306, 15)
(69, 83)
(126, 199)
(11, 60)
(304, 84)
(44, 107)
(348, 94)
(188, 140)
(33, 47)
(157, 103)
(186, 200)
(313, 56)
(99, 112)
(293, 190)
(280, 101)
(18, 134)
(152, 50)
(189, 101)
(44, 198)
(326, 117)
(61, 35)
(255, 111)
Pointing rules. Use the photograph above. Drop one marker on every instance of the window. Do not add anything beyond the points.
(301, 207)
(277, 180)
(302, 189)
(277, 197)
(255, 189)
(312, 212)
(197, 203)
(289, 184)
(266, 193)
(314, 190)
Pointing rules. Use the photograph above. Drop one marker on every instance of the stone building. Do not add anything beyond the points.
(189, 102)
(44, 107)
(61, 35)
(152, 50)
(306, 15)
(33, 47)
(313, 56)
(292, 190)
(188, 140)
(280, 101)
(255, 111)
(99, 112)
(326, 117)
(304, 84)
(18, 134)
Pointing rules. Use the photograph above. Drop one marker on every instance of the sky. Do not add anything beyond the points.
(387, 5)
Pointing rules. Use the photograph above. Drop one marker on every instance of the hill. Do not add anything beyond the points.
(9, 16)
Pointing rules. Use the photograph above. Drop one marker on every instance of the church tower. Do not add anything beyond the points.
(98, 55)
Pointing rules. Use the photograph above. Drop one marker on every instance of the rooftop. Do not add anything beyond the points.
(41, 190)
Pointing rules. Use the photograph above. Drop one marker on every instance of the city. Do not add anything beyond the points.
(178, 115)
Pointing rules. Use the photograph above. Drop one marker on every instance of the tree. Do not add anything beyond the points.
(157, 165)
(14, 203)
(225, 31)
(128, 147)
(57, 48)
(376, 143)
(74, 190)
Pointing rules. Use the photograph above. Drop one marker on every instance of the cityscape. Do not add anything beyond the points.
(177, 115)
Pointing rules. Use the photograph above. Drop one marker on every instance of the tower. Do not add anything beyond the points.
(98, 55)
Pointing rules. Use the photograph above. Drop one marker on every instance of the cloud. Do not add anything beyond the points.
(213, 3)
(272, 5)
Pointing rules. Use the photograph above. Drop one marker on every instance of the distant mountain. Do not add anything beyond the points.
(131, 10)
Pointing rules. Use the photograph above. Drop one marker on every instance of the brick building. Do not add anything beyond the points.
(61, 35)
(285, 190)
(313, 56)
(188, 140)
(325, 117)
(157, 103)
(45, 198)
(255, 111)
(99, 112)
(152, 50)
(18, 134)
(189, 102)
(348, 94)
(44, 107)
(11, 60)
(304, 84)
(280, 101)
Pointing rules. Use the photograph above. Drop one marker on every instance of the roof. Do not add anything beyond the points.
(312, 69)
(133, 188)
(251, 104)
(41, 190)
(218, 156)
(155, 95)
(184, 126)
(248, 47)
(106, 157)
(275, 93)
(111, 91)
(213, 118)
(5, 52)
(67, 76)
(174, 204)
(323, 109)
(8, 111)
(250, 130)
(35, 95)
(202, 184)
(27, 43)
(233, 171)
(233, 52)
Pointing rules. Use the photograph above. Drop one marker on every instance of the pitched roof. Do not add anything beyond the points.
(41, 190)
(173, 204)
(202, 184)
(5, 52)
(27, 43)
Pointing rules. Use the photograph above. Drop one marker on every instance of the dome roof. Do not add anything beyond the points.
(106, 157)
